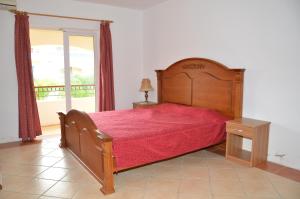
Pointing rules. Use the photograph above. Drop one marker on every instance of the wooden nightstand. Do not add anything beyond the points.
(143, 104)
(255, 130)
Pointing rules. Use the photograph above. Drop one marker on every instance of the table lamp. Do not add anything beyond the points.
(146, 87)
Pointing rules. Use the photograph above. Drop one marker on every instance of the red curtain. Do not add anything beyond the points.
(29, 121)
(106, 92)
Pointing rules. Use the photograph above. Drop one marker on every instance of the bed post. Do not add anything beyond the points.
(159, 79)
(108, 180)
(63, 143)
(238, 106)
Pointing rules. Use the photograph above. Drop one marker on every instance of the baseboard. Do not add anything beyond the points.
(18, 143)
(8, 140)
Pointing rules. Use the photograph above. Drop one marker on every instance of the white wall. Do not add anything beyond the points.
(8, 80)
(127, 50)
(261, 36)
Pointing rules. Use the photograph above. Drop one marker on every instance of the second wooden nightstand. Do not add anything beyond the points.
(255, 130)
(143, 104)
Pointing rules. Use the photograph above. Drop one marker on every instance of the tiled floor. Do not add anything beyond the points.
(45, 171)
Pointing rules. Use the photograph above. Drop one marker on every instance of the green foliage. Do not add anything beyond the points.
(78, 79)
(76, 91)
(42, 93)
(87, 90)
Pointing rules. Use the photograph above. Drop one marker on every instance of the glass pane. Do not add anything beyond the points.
(82, 72)
(47, 54)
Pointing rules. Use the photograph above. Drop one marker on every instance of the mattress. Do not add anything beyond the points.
(146, 135)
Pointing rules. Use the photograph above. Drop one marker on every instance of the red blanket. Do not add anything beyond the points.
(146, 135)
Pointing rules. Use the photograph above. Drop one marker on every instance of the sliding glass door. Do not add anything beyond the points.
(64, 72)
(80, 71)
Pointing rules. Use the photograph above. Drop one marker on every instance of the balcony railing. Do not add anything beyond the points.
(77, 91)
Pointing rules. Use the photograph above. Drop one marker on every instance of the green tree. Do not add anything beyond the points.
(82, 91)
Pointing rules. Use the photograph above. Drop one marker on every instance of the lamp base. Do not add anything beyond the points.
(146, 96)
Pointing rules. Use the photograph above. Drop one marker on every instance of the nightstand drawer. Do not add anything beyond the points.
(240, 130)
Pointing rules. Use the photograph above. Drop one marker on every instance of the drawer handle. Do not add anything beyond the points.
(238, 130)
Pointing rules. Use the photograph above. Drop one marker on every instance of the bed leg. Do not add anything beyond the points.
(63, 143)
(108, 181)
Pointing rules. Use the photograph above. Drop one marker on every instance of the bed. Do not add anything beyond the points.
(195, 95)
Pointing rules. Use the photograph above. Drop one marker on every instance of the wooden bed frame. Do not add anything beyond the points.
(194, 81)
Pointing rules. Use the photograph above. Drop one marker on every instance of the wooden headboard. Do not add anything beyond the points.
(204, 83)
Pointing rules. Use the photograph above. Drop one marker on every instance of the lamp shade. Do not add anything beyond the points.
(146, 85)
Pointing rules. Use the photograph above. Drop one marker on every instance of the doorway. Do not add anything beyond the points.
(64, 73)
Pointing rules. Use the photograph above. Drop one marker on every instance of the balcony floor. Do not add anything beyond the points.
(51, 130)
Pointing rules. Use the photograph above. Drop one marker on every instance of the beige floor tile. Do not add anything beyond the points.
(287, 188)
(68, 163)
(252, 174)
(164, 184)
(259, 189)
(231, 197)
(32, 170)
(53, 174)
(127, 193)
(89, 188)
(227, 187)
(13, 195)
(193, 196)
(192, 161)
(159, 194)
(79, 176)
(14, 183)
(205, 154)
(166, 172)
(174, 162)
(90, 196)
(46, 161)
(265, 197)
(89, 191)
(63, 190)
(197, 154)
(21, 159)
(148, 170)
(37, 186)
(145, 171)
(50, 145)
(130, 172)
(195, 172)
(46, 197)
(58, 153)
(189, 186)
(217, 163)
(43, 151)
(22, 170)
(223, 174)
(131, 181)
(278, 179)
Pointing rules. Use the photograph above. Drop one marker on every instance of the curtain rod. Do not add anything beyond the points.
(59, 16)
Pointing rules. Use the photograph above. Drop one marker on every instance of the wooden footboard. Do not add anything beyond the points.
(93, 148)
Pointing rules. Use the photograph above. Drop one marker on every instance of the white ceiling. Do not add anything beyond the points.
(133, 4)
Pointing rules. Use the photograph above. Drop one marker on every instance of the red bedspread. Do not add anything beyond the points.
(146, 135)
